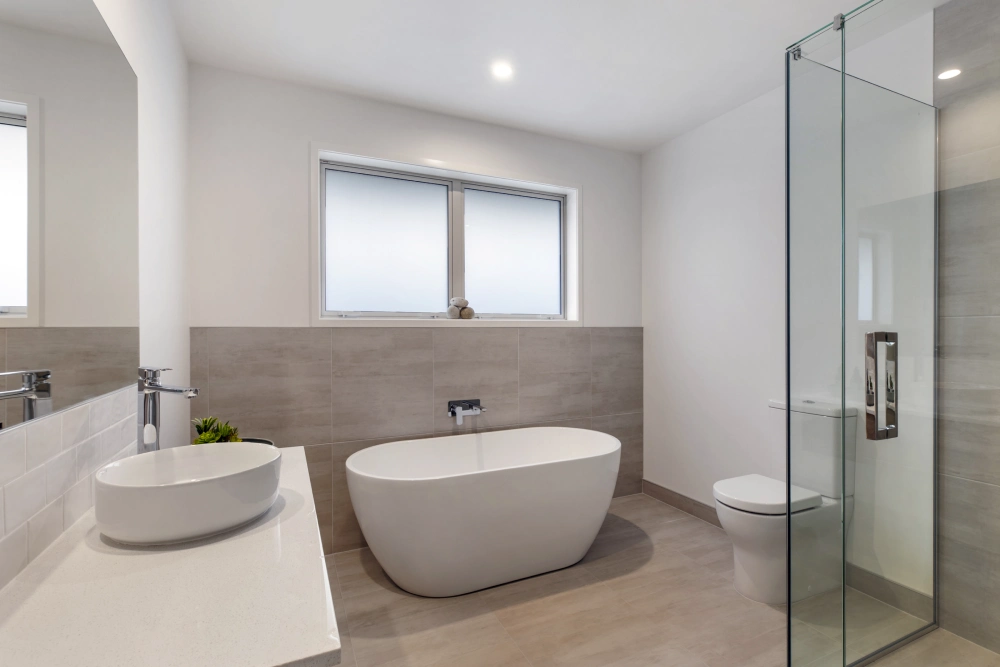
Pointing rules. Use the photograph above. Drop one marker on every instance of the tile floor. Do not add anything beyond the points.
(654, 590)
(941, 649)
(871, 624)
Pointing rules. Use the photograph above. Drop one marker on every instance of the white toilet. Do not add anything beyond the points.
(752, 509)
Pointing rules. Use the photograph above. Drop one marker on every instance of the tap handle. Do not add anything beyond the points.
(151, 373)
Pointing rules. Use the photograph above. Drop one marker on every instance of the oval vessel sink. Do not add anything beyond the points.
(183, 493)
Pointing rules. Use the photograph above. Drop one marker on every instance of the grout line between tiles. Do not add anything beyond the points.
(968, 479)
(514, 641)
(330, 342)
(517, 332)
(433, 374)
(591, 405)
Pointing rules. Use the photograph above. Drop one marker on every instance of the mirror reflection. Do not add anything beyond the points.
(69, 310)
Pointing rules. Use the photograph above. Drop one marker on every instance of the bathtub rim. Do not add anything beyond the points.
(353, 469)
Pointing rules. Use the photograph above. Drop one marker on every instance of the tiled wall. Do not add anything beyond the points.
(339, 390)
(969, 391)
(85, 362)
(47, 472)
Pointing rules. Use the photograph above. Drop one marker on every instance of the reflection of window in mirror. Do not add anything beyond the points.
(19, 211)
(13, 209)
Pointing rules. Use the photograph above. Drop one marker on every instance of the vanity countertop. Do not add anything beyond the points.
(257, 596)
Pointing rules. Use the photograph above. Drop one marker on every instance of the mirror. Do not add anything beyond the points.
(69, 294)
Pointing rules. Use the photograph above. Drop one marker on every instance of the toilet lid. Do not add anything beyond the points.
(763, 495)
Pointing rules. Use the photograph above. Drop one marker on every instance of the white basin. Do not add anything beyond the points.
(183, 493)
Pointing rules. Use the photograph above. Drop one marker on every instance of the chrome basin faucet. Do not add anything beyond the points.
(469, 407)
(149, 392)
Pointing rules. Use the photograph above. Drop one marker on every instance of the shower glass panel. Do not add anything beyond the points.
(815, 362)
(862, 240)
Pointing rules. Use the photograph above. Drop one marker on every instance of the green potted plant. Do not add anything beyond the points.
(211, 429)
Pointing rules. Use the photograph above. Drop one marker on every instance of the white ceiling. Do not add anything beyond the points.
(623, 73)
(76, 18)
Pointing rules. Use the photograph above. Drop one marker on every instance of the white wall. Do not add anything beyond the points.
(86, 95)
(250, 197)
(146, 34)
(713, 225)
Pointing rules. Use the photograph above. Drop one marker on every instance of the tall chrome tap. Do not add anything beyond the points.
(150, 389)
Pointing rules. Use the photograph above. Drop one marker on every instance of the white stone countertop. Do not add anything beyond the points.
(258, 596)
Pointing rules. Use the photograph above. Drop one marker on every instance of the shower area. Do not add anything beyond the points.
(893, 298)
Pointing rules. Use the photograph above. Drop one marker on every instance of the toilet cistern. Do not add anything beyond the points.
(469, 407)
(150, 389)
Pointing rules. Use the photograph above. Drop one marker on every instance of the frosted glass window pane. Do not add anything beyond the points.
(386, 244)
(13, 216)
(513, 254)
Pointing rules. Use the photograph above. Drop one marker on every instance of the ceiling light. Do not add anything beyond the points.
(502, 71)
(950, 74)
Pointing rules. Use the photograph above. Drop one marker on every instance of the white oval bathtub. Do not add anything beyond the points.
(451, 515)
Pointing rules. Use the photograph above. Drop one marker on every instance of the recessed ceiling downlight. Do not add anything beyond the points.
(502, 70)
(949, 74)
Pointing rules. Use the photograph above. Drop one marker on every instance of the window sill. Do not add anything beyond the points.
(438, 323)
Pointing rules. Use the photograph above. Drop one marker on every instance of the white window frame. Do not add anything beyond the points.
(32, 317)
(457, 182)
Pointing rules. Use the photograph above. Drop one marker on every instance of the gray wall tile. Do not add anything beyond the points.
(382, 382)
(969, 551)
(3, 384)
(272, 382)
(969, 382)
(554, 374)
(969, 243)
(617, 370)
(972, 514)
(968, 449)
(628, 430)
(320, 478)
(85, 361)
(969, 349)
(969, 391)
(965, 37)
(479, 363)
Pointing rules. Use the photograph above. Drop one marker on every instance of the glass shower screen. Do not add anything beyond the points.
(861, 278)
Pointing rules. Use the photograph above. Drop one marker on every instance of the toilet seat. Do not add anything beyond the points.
(758, 494)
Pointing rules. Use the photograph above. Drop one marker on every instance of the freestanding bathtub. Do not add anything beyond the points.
(451, 515)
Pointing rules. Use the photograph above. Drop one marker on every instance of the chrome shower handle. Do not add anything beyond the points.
(872, 428)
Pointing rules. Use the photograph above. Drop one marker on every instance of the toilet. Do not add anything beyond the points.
(752, 509)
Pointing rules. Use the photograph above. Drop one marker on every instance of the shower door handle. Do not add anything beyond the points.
(872, 427)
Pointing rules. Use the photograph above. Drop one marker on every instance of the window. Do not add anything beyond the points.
(398, 244)
(13, 211)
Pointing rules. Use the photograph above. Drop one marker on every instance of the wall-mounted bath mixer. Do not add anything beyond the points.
(469, 407)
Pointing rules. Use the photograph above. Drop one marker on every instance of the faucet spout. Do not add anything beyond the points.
(186, 392)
